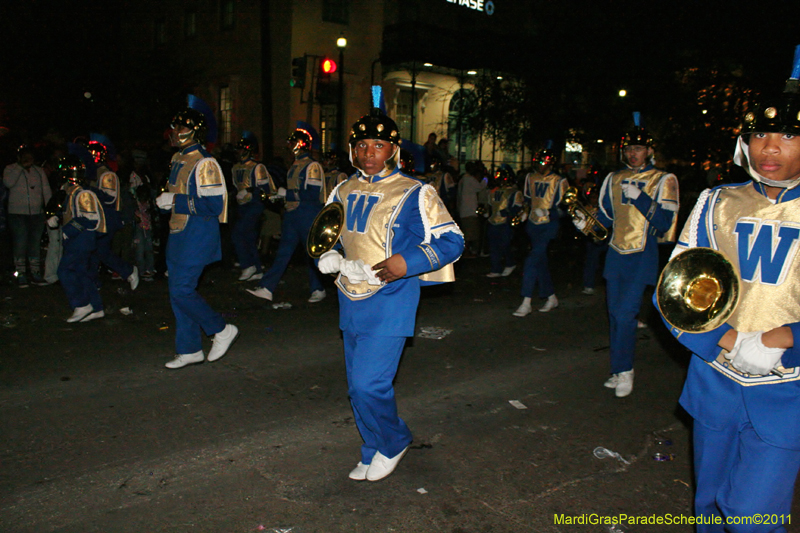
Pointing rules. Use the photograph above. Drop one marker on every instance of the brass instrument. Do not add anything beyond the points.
(517, 219)
(698, 290)
(481, 210)
(325, 230)
(593, 228)
(55, 206)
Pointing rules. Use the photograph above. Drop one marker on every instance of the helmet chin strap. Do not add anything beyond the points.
(742, 158)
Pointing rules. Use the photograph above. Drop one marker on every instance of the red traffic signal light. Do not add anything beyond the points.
(328, 66)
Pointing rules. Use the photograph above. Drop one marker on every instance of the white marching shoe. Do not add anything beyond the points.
(80, 313)
(381, 466)
(317, 296)
(223, 341)
(359, 473)
(508, 270)
(523, 310)
(247, 273)
(186, 359)
(624, 384)
(133, 279)
(550, 304)
(261, 292)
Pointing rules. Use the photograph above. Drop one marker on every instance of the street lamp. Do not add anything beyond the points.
(341, 43)
(623, 93)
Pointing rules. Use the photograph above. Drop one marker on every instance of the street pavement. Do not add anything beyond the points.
(99, 437)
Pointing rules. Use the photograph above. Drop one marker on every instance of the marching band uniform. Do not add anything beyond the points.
(542, 193)
(746, 431)
(250, 178)
(638, 225)
(82, 221)
(107, 191)
(385, 214)
(304, 196)
(197, 198)
(444, 184)
(504, 202)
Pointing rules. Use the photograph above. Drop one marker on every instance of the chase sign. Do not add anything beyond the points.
(484, 6)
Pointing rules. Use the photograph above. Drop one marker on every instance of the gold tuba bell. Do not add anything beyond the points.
(698, 290)
(325, 230)
(593, 228)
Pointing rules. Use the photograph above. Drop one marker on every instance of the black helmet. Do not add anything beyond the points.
(300, 140)
(98, 150)
(776, 114)
(503, 176)
(638, 135)
(72, 170)
(192, 119)
(375, 125)
(545, 156)
(248, 142)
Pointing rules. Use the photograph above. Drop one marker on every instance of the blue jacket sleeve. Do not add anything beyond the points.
(204, 206)
(439, 252)
(659, 218)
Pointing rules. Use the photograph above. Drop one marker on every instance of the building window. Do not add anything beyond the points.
(190, 24)
(327, 114)
(160, 33)
(225, 115)
(337, 11)
(227, 11)
(403, 114)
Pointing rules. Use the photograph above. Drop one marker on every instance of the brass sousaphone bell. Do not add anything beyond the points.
(325, 230)
(698, 290)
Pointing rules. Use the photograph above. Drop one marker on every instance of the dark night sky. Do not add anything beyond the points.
(53, 51)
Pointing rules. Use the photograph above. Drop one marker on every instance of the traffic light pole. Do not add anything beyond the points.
(340, 108)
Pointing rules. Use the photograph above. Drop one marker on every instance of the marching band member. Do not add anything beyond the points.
(543, 191)
(82, 219)
(197, 199)
(251, 180)
(640, 204)
(504, 202)
(105, 185)
(395, 230)
(304, 194)
(746, 429)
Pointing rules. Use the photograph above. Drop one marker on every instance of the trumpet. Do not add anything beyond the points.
(593, 228)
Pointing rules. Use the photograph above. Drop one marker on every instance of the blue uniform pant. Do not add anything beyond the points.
(624, 299)
(294, 231)
(536, 267)
(245, 235)
(103, 254)
(73, 272)
(739, 475)
(371, 364)
(594, 253)
(192, 314)
(499, 238)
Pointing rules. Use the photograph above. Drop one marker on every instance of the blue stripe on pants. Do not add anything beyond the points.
(371, 364)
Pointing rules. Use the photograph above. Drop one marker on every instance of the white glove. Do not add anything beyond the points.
(241, 194)
(539, 212)
(740, 336)
(579, 220)
(52, 222)
(523, 217)
(755, 358)
(281, 192)
(330, 262)
(354, 270)
(165, 200)
(631, 190)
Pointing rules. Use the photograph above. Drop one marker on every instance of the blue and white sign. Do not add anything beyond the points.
(484, 6)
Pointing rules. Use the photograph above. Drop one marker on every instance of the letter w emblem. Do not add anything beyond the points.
(540, 189)
(762, 257)
(359, 210)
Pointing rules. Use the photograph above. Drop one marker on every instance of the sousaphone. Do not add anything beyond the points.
(325, 230)
(698, 290)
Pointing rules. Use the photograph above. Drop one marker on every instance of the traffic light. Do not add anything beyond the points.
(327, 67)
(326, 89)
(298, 72)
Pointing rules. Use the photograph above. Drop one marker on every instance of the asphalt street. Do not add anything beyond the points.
(97, 436)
